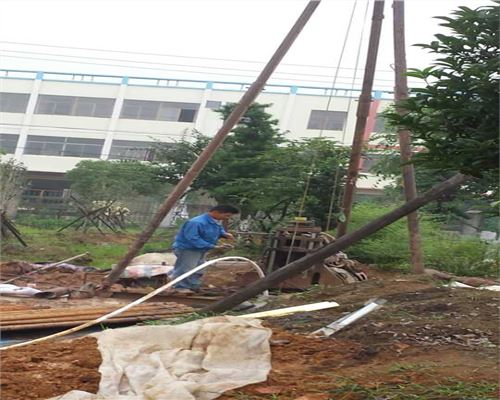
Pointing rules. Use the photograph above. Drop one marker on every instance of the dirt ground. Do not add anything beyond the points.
(428, 342)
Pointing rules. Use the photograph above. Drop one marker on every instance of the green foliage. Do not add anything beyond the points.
(12, 181)
(443, 251)
(455, 117)
(316, 163)
(450, 206)
(254, 134)
(114, 180)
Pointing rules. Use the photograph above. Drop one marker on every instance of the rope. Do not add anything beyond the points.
(344, 131)
(313, 161)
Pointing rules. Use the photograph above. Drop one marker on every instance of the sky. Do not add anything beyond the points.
(226, 40)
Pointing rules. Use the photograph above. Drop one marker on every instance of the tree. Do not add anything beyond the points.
(12, 182)
(254, 134)
(114, 180)
(455, 116)
(280, 190)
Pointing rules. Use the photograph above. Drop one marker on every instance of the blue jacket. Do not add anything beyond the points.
(199, 233)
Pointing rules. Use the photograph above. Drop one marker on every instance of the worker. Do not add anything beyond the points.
(195, 238)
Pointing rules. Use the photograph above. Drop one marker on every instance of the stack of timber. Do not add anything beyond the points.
(68, 317)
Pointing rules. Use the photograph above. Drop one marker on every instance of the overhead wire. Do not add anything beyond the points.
(167, 55)
(167, 64)
(320, 134)
(198, 72)
(344, 131)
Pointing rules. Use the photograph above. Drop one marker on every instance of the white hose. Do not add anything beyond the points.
(138, 301)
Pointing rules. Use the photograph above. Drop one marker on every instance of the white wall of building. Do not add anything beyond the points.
(292, 106)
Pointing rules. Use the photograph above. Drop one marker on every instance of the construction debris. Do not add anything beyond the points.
(102, 214)
(67, 317)
(36, 268)
(299, 239)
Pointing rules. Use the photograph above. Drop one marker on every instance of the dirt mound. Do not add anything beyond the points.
(49, 369)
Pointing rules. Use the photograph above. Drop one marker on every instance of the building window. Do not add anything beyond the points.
(131, 150)
(159, 110)
(8, 143)
(380, 124)
(13, 102)
(63, 146)
(213, 105)
(327, 120)
(78, 106)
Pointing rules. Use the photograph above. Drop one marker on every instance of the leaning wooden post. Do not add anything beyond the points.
(401, 94)
(304, 263)
(240, 109)
(365, 100)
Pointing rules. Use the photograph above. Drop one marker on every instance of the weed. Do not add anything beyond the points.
(180, 320)
(404, 367)
(450, 390)
(47, 245)
(309, 292)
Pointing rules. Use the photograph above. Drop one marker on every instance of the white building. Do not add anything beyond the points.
(51, 121)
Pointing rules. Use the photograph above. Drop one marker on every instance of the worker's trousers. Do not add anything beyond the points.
(186, 261)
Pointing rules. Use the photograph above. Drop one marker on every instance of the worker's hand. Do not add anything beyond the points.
(229, 236)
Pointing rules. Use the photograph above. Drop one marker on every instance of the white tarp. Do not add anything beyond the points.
(7, 289)
(149, 265)
(198, 360)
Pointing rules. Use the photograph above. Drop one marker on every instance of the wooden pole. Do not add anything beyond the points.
(401, 94)
(208, 152)
(304, 263)
(365, 100)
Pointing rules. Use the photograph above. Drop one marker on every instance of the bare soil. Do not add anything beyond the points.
(428, 342)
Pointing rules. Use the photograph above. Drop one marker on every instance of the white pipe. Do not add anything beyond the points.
(136, 302)
(291, 310)
(349, 318)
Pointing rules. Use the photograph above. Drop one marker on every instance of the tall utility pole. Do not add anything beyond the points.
(362, 112)
(214, 144)
(401, 94)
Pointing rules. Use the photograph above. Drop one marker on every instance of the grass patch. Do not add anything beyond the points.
(453, 253)
(405, 367)
(47, 245)
(451, 390)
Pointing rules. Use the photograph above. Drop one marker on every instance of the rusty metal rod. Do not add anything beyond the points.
(12, 319)
(215, 143)
(56, 312)
(78, 322)
(86, 317)
(77, 311)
